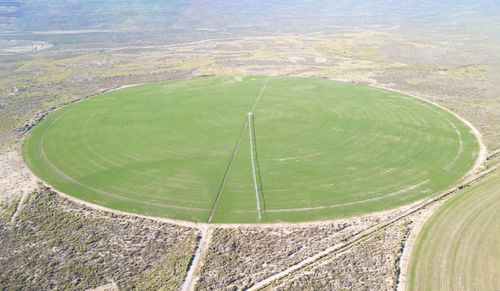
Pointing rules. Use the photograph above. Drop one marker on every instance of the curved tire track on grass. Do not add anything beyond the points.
(72, 180)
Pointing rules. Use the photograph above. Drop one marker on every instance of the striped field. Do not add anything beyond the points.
(459, 246)
(321, 149)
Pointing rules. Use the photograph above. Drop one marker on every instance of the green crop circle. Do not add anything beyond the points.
(322, 149)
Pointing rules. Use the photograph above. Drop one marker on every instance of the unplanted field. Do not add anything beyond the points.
(322, 149)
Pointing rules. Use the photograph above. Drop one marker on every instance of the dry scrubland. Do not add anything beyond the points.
(53, 243)
(372, 264)
(48, 234)
(451, 73)
(237, 258)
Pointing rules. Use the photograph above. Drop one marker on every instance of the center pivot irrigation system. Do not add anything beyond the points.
(249, 120)
(330, 149)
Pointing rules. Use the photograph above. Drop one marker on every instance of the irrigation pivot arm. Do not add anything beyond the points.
(253, 163)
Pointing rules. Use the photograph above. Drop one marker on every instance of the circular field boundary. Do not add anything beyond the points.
(479, 164)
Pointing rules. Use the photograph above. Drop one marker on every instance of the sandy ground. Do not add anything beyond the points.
(108, 287)
(16, 180)
(418, 223)
(8, 47)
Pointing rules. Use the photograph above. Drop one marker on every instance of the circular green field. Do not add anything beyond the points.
(187, 149)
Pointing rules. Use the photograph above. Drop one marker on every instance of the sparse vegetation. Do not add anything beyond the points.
(237, 258)
(371, 264)
(56, 244)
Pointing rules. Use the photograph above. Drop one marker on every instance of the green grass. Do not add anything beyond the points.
(459, 246)
(324, 149)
